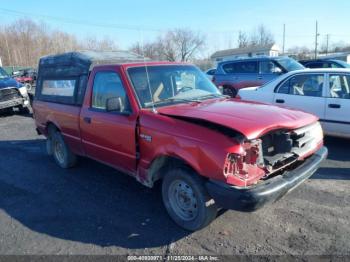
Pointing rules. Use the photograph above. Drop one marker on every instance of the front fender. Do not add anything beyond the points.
(201, 148)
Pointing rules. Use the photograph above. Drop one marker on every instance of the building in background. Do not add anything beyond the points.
(231, 54)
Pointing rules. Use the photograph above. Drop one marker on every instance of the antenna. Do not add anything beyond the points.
(146, 69)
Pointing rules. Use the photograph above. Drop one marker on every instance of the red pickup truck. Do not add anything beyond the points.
(161, 121)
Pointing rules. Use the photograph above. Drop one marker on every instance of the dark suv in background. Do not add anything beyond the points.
(12, 94)
(233, 75)
(325, 63)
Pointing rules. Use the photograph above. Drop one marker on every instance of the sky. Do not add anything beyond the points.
(129, 21)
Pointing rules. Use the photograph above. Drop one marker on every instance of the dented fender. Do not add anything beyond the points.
(201, 148)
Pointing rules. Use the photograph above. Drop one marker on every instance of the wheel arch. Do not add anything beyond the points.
(162, 163)
(51, 125)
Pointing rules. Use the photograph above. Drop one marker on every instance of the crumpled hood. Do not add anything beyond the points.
(249, 118)
(9, 82)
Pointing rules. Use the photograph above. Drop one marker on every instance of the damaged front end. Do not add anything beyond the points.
(272, 154)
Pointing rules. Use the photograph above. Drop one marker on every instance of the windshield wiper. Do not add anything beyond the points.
(174, 99)
(188, 100)
(213, 96)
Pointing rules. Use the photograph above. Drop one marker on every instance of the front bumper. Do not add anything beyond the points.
(269, 191)
(11, 103)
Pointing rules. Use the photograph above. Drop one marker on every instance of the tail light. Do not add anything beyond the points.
(238, 96)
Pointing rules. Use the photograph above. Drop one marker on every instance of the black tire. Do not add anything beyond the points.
(7, 111)
(60, 151)
(24, 110)
(232, 92)
(31, 98)
(51, 132)
(202, 209)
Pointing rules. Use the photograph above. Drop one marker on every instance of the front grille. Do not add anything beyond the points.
(9, 94)
(281, 147)
(306, 138)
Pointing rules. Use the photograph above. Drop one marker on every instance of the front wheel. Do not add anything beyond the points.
(28, 86)
(187, 200)
(24, 110)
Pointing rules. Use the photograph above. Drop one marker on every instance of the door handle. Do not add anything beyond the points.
(87, 120)
(280, 101)
(260, 77)
(334, 106)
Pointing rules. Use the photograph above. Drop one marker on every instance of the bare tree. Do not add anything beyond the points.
(93, 43)
(261, 36)
(174, 45)
(150, 50)
(24, 41)
(167, 47)
(242, 39)
(185, 43)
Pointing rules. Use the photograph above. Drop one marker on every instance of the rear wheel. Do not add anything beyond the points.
(230, 91)
(56, 146)
(187, 200)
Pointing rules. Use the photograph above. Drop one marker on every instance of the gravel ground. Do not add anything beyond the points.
(93, 209)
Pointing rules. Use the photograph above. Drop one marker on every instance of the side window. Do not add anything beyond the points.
(269, 67)
(335, 65)
(246, 67)
(303, 85)
(284, 88)
(108, 85)
(339, 86)
(58, 88)
(314, 65)
(211, 72)
(229, 68)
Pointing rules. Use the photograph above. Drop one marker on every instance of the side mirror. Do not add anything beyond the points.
(114, 104)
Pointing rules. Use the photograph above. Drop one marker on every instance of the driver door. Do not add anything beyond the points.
(109, 137)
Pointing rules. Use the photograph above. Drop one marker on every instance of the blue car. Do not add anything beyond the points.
(231, 76)
(324, 63)
(12, 94)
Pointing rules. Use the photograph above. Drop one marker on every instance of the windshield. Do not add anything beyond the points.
(169, 84)
(3, 73)
(289, 64)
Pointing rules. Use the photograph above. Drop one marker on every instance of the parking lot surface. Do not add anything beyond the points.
(93, 209)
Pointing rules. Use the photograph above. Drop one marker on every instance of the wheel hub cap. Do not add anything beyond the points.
(183, 200)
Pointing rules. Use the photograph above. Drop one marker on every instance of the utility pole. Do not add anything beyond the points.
(316, 39)
(327, 44)
(284, 38)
